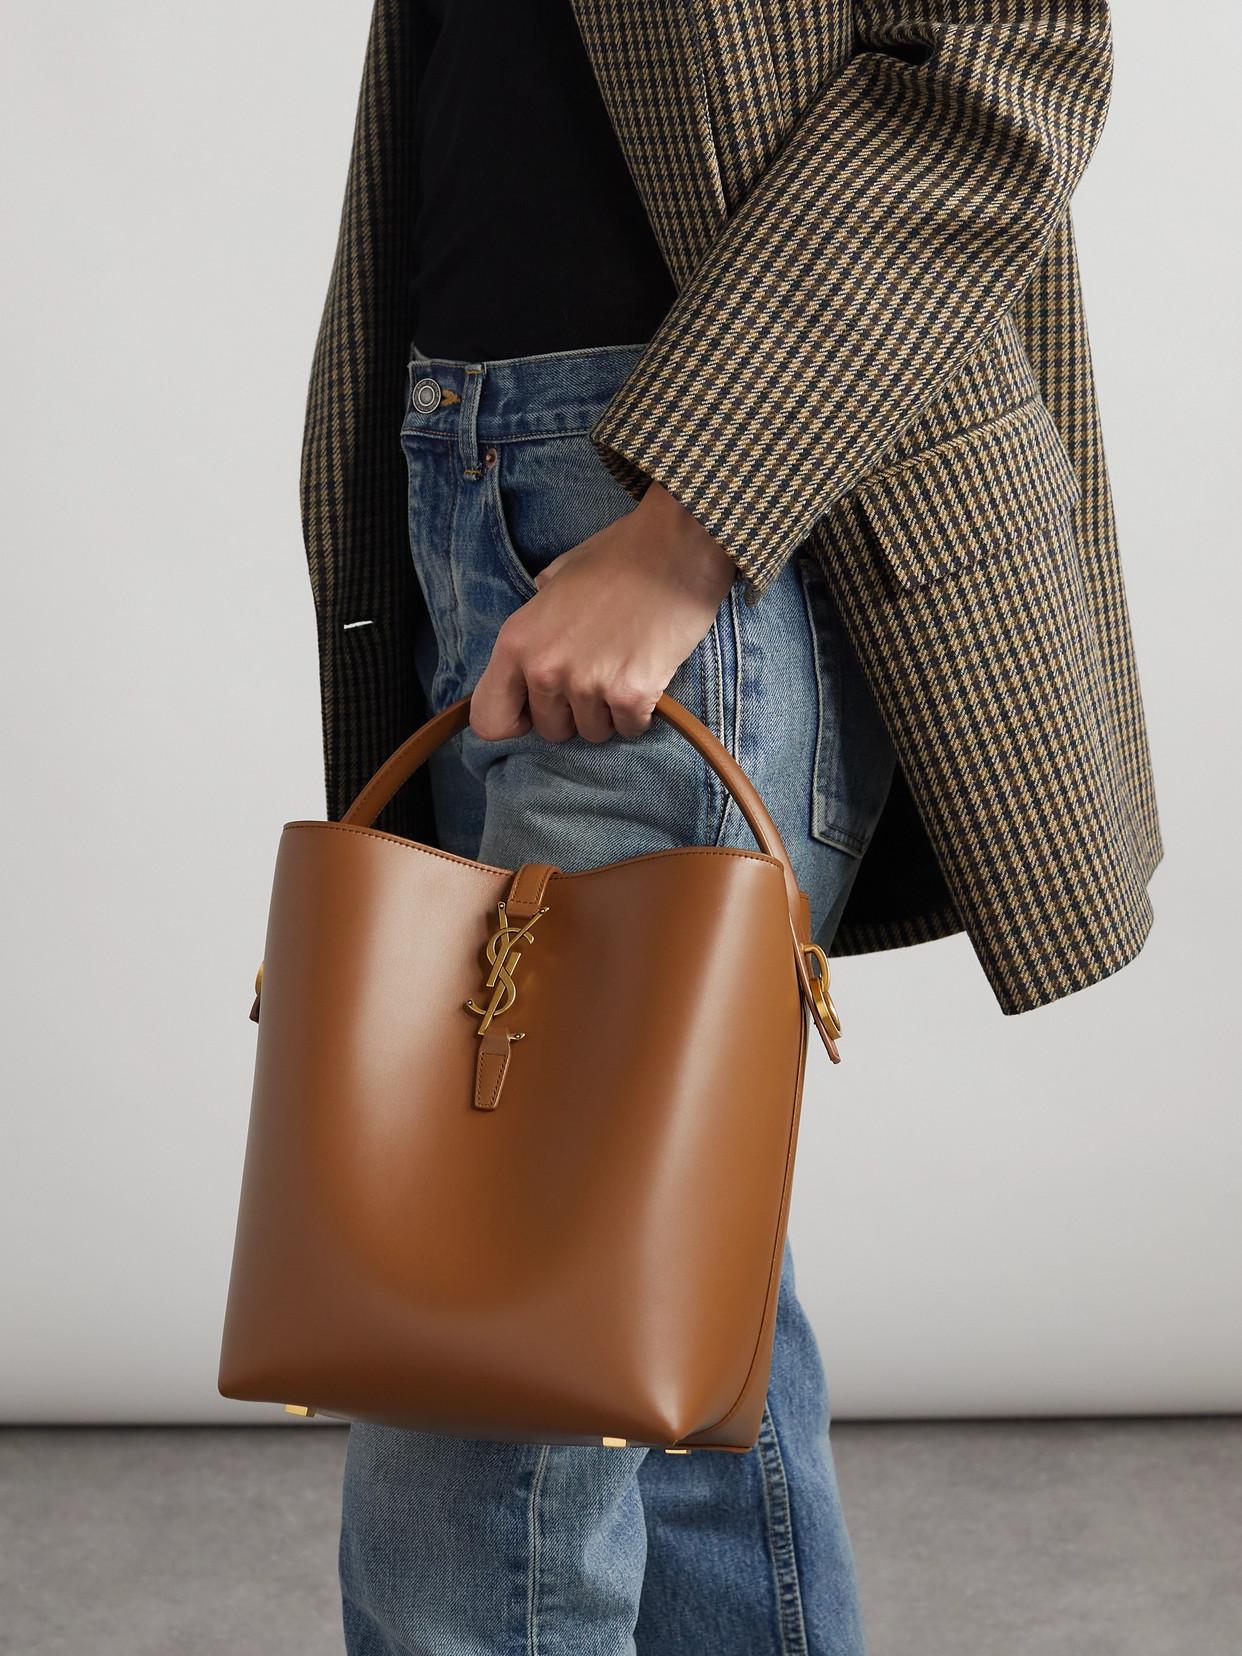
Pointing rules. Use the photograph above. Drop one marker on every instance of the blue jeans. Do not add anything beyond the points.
(458, 1548)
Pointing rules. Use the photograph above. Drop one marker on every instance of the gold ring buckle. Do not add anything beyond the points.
(820, 993)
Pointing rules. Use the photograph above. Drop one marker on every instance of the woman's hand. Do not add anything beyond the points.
(612, 621)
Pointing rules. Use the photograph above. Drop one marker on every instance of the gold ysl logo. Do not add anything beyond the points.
(503, 956)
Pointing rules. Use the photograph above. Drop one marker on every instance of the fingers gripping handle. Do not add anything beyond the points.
(398, 769)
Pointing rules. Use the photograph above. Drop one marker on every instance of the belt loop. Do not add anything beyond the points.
(468, 424)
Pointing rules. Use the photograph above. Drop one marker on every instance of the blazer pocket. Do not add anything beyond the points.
(950, 507)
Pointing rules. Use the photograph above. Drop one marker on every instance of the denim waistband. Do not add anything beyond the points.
(556, 394)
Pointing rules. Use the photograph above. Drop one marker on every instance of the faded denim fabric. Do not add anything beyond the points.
(458, 1548)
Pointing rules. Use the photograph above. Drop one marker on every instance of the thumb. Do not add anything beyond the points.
(550, 570)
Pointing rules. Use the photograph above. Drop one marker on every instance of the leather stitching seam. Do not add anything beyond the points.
(791, 1147)
(561, 874)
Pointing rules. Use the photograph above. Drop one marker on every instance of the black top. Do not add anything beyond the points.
(529, 233)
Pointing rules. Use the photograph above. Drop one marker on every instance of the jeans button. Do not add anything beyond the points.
(425, 396)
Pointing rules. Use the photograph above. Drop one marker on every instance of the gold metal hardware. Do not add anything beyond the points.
(820, 979)
(298, 1409)
(614, 1443)
(504, 958)
(678, 1451)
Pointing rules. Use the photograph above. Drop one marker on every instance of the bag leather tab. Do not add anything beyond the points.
(527, 893)
(491, 1067)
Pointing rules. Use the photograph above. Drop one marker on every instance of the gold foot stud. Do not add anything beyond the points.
(299, 1409)
(614, 1443)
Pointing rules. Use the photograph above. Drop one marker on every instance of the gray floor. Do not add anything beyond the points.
(1079, 1538)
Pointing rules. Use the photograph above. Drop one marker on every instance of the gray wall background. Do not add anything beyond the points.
(993, 1215)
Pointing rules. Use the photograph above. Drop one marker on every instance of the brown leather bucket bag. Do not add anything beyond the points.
(521, 1142)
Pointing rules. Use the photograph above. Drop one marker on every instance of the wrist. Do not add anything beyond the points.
(698, 555)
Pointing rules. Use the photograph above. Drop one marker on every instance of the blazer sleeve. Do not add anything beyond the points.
(902, 219)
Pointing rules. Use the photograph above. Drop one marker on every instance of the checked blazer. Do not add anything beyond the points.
(877, 354)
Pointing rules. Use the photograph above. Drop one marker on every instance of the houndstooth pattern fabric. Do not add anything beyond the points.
(877, 352)
(354, 517)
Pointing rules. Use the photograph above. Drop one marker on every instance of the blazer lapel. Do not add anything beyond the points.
(648, 61)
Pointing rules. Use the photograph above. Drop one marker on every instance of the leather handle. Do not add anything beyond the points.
(417, 749)
(415, 752)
